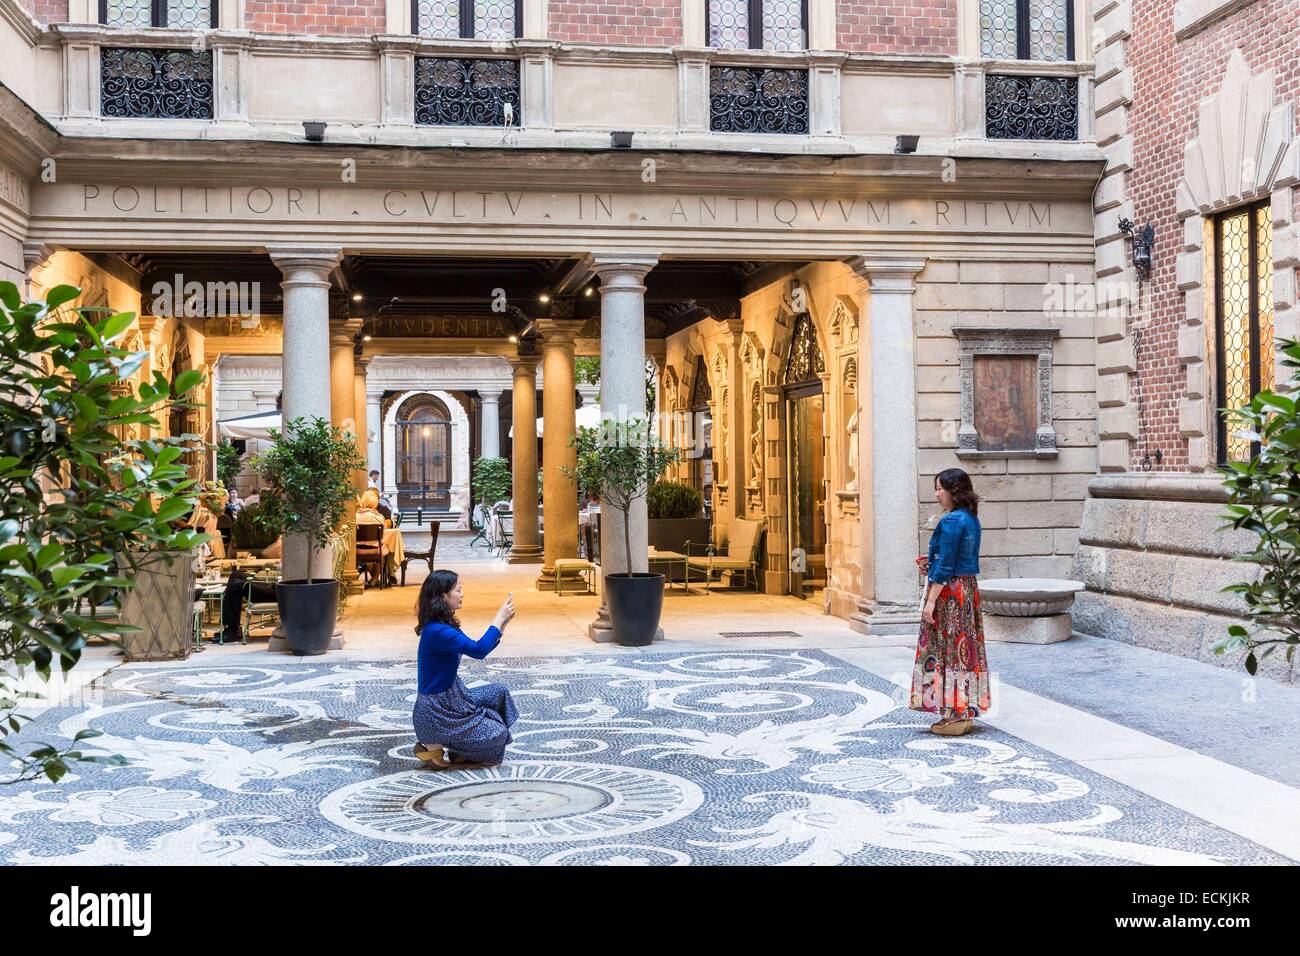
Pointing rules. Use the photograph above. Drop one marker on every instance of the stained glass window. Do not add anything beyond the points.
(467, 19)
(178, 14)
(1243, 248)
(757, 24)
(1027, 29)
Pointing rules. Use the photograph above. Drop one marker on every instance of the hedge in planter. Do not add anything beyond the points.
(249, 532)
(673, 499)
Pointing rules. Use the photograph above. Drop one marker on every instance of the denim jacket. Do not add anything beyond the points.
(955, 547)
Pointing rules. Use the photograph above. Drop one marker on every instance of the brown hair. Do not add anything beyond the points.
(958, 484)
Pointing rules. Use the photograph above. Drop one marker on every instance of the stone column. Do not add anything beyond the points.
(523, 472)
(306, 350)
(887, 465)
(375, 436)
(622, 397)
(360, 413)
(343, 416)
(734, 462)
(559, 492)
(490, 438)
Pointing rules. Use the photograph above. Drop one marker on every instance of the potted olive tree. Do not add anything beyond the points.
(306, 485)
(618, 462)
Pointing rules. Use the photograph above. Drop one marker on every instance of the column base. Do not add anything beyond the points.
(352, 585)
(523, 554)
(898, 623)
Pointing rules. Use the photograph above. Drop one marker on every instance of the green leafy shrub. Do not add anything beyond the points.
(1264, 498)
(229, 463)
(248, 533)
(673, 499)
(76, 497)
(491, 480)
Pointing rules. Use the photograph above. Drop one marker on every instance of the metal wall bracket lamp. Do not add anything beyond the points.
(1143, 241)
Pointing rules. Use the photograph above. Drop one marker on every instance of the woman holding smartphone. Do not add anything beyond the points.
(455, 723)
(951, 674)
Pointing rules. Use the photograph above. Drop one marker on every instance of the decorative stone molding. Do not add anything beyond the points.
(1245, 150)
(988, 341)
(1192, 16)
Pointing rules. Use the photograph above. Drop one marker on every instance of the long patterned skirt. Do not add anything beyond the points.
(471, 722)
(951, 674)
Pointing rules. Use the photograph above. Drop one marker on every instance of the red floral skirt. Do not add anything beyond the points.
(951, 674)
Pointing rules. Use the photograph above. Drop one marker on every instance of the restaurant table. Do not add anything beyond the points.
(668, 558)
(394, 550)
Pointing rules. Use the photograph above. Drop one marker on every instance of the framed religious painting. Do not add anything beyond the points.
(1006, 393)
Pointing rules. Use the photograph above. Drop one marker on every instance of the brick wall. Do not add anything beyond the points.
(897, 26)
(354, 18)
(635, 24)
(48, 11)
(1169, 79)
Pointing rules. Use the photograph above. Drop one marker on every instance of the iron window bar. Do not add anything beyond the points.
(465, 14)
(158, 16)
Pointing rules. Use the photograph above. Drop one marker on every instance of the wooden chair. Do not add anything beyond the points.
(741, 556)
(370, 552)
(425, 556)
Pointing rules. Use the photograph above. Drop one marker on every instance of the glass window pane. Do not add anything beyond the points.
(189, 14)
(1234, 263)
(998, 29)
(729, 24)
(1047, 30)
(783, 25)
(494, 19)
(438, 18)
(129, 13)
(1264, 273)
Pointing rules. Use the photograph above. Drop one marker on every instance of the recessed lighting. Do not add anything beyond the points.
(543, 298)
(356, 296)
(513, 338)
(365, 338)
(588, 291)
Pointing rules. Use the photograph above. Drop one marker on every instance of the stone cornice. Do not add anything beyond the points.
(24, 24)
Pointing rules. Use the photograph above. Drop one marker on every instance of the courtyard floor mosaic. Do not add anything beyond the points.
(706, 757)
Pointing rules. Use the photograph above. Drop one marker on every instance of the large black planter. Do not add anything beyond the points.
(635, 603)
(309, 611)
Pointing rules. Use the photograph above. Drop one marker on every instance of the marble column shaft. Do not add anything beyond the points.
(887, 465)
(559, 423)
(526, 548)
(306, 351)
(491, 431)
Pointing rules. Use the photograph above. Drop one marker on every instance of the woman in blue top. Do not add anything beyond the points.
(455, 723)
(951, 674)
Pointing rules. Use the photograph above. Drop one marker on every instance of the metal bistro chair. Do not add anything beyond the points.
(741, 556)
(370, 552)
(478, 524)
(425, 556)
(265, 613)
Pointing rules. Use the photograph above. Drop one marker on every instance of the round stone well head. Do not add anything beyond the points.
(1027, 597)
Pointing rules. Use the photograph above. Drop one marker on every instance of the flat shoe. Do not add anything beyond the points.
(433, 756)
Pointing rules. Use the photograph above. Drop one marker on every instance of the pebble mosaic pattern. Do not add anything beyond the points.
(743, 757)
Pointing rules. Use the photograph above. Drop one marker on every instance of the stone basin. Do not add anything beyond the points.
(1027, 597)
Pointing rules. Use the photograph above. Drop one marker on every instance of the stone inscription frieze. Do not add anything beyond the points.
(475, 207)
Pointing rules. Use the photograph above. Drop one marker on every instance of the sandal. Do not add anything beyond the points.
(951, 728)
(433, 755)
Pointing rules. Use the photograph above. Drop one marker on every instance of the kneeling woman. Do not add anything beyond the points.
(470, 724)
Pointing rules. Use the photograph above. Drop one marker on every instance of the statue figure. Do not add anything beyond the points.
(852, 484)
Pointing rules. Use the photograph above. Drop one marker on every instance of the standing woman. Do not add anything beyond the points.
(951, 674)
(455, 723)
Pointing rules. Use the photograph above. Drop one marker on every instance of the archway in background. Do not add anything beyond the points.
(422, 436)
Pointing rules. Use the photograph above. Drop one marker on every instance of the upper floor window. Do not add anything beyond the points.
(177, 14)
(1027, 29)
(1243, 316)
(468, 19)
(758, 24)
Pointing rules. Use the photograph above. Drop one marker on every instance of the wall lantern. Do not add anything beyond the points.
(621, 139)
(314, 130)
(906, 144)
(1143, 241)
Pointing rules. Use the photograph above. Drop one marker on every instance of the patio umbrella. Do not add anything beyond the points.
(586, 417)
(257, 425)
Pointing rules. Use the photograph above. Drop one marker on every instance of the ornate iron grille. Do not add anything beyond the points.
(805, 362)
(1031, 107)
(465, 92)
(1243, 249)
(155, 84)
(701, 393)
(758, 100)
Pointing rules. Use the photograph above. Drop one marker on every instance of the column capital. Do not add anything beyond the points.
(615, 266)
(559, 332)
(524, 364)
(490, 396)
(35, 253)
(887, 273)
(343, 334)
(362, 363)
(310, 259)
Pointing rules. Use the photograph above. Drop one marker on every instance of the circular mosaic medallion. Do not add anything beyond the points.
(520, 802)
